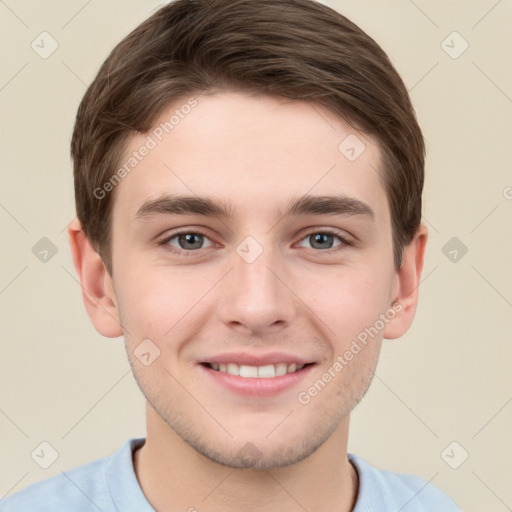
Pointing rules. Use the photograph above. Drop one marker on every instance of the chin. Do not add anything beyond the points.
(258, 454)
(251, 457)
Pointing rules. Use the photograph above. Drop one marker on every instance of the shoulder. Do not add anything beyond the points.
(398, 491)
(81, 489)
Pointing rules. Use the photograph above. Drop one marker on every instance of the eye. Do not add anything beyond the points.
(191, 241)
(187, 241)
(323, 240)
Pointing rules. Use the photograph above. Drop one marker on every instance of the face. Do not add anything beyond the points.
(239, 327)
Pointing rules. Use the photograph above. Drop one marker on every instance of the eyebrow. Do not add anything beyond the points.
(303, 205)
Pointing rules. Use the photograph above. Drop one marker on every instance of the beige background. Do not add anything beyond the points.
(447, 380)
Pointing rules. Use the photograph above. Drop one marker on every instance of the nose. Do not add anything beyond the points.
(257, 296)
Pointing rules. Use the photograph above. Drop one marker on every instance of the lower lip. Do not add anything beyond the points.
(257, 386)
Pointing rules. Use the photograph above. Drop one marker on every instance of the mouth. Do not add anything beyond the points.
(267, 371)
(256, 376)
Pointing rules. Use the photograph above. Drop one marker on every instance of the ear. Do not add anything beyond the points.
(97, 287)
(407, 281)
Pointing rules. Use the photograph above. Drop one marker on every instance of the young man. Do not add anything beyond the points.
(248, 181)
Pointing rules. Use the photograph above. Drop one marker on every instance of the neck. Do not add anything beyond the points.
(175, 477)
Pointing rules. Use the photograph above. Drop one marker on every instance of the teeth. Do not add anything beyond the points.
(281, 369)
(263, 372)
(233, 369)
(248, 371)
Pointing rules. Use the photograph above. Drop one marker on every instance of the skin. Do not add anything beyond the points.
(297, 297)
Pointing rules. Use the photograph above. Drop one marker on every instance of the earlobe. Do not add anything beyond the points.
(97, 287)
(407, 284)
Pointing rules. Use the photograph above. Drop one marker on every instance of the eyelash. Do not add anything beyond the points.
(183, 252)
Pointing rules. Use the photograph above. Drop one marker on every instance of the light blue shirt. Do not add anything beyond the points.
(109, 484)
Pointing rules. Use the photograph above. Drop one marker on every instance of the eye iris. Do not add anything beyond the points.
(320, 237)
(196, 240)
(188, 238)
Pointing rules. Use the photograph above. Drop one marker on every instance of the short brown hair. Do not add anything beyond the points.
(299, 49)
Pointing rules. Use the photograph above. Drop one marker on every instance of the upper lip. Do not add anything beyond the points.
(256, 359)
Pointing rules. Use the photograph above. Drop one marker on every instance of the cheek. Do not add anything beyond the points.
(161, 303)
(349, 300)
(144, 304)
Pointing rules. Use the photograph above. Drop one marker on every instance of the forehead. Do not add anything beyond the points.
(252, 152)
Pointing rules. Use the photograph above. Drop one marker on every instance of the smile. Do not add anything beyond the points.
(267, 371)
